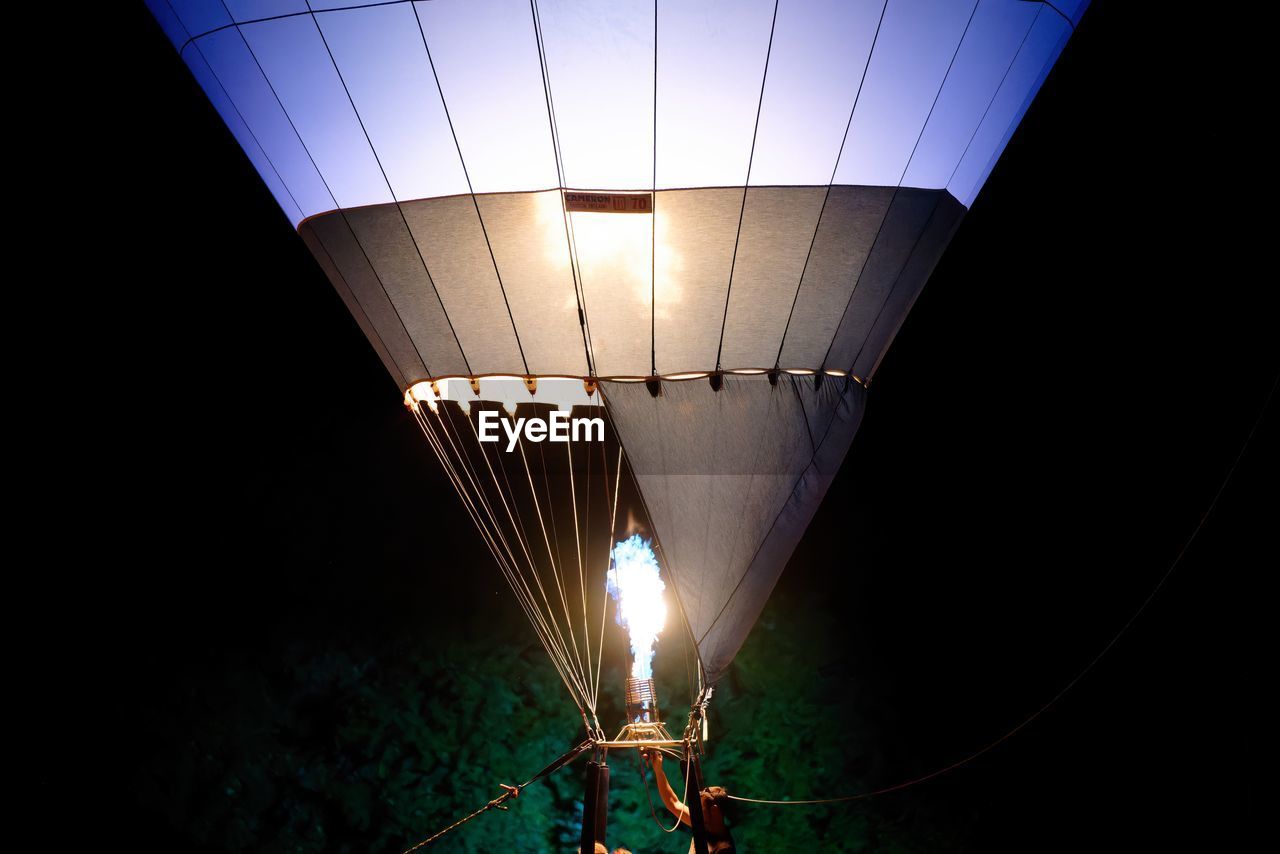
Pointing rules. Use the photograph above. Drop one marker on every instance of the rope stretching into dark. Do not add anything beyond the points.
(511, 792)
(1186, 546)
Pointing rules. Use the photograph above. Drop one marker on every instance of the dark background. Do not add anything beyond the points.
(256, 505)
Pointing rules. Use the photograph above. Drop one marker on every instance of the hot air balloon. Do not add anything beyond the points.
(633, 265)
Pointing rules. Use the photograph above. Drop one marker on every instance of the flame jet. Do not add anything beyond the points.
(636, 585)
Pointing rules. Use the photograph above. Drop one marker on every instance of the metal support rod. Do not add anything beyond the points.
(595, 806)
(693, 800)
(622, 743)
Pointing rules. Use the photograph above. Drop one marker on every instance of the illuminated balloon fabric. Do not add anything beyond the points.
(791, 276)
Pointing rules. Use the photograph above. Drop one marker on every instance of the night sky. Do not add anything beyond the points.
(261, 488)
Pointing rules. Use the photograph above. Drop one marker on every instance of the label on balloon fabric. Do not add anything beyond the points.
(576, 200)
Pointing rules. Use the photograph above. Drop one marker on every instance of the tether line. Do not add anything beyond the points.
(509, 793)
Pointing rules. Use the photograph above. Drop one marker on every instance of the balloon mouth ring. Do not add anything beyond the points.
(429, 389)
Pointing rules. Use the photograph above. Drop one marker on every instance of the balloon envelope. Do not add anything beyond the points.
(797, 168)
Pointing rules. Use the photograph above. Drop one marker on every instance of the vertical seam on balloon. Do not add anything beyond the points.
(808, 427)
(826, 196)
(898, 187)
(848, 381)
(571, 242)
(875, 365)
(799, 479)
(714, 460)
(742, 209)
(382, 344)
(1016, 118)
(396, 3)
(894, 286)
(363, 311)
(239, 114)
(345, 219)
(570, 238)
(771, 398)
(657, 539)
(471, 190)
(234, 23)
(266, 18)
(994, 95)
(1063, 15)
(376, 159)
(653, 213)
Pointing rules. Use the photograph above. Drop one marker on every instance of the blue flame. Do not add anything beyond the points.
(635, 584)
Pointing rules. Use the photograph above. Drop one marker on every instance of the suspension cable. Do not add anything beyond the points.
(613, 522)
(524, 596)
